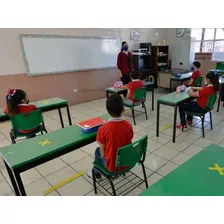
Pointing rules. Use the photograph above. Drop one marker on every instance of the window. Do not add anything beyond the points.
(209, 40)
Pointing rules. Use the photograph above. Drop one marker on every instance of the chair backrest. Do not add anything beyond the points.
(220, 66)
(27, 121)
(131, 154)
(198, 81)
(140, 94)
(211, 101)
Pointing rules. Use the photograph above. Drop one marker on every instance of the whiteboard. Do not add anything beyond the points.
(48, 54)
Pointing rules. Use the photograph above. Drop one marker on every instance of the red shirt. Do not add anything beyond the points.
(195, 75)
(133, 85)
(122, 63)
(23, 108)
(203, 95)
(114, 134)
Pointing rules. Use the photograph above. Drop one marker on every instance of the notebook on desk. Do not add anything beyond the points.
(91, 123)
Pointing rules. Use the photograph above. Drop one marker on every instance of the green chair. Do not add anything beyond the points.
(198, 81)
(220, 66)
(27, 121)
(140, 96)
(127, 156)
(209, 106)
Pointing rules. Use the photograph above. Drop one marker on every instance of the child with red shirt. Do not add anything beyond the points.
(132, 86)
(112, 135)
(202, 94)
(17, 103)
(195, 74)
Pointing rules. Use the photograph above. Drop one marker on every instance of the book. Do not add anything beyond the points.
(91, 123)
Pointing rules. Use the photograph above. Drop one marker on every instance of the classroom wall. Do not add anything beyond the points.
(13, 73)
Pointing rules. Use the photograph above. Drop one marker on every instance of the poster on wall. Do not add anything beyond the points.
(134, 35)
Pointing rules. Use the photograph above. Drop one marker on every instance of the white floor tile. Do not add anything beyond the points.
(167, 168)
(61, 175)
(154, 162)
(51, 166)
(151, 180)
(37, 188)
(178, 145)
(188, 137)
(181, 158)
(84, 165)
(193, 149)
(152, 146)
(135, 192)
(4, 188)
(30, 176)
(54, 193)
(162, 138)
(166, 152)
(77, 187)
(74, 156)
(204, 142)
(92, 193)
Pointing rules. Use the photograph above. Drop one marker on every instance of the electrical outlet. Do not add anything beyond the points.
(75, 90)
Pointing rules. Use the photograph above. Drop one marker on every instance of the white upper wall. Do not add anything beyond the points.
(11, 60)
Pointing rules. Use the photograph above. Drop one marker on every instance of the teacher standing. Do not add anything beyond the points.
(125, 63)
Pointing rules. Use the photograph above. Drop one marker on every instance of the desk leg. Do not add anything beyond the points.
(219, 99)
(60, 116)
(157, 119)
(170, 85)
(69, 116)
(11, 176)
(20, 184)
(174, 123)
(153, 99)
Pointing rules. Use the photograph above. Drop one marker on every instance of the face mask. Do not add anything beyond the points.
(206, 83)
(125, 48)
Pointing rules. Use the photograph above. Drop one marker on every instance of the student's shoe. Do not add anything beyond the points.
(180, 126)
(189, 123)
(90, 175)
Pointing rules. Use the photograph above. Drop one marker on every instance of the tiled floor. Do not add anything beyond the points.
(163, 156)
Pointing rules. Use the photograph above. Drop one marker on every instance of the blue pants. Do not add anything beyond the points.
(99, 158)
(190, 107)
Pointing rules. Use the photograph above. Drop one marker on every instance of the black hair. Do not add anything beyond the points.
(214, 79)
(13, 99)
(135, 74)
(115, 105)
(122, 45)
(197, 64)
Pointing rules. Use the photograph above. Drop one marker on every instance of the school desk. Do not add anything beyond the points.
(122, 90)
(174, 100)
(46, 105)
(184, 77)
(41, 149)
(202, 175)
(220, 72)
(221, 82)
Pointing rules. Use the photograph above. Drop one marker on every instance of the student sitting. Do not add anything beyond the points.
(17, 102)
(132, 86)
(195, 74)
(112, 135)
(202, 94)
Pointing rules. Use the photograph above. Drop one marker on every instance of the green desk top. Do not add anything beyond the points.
(30, 150)
(193, 178)
(42, 104)
(183, 76)
(175, 98)
(116, 90)
(218, 71)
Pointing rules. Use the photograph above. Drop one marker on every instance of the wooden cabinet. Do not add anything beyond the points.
(160, 57)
